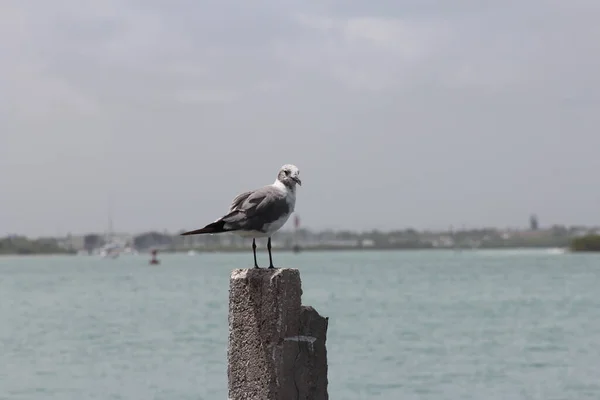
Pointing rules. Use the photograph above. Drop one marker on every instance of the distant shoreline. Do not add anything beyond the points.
(310, 249)
(575, 238)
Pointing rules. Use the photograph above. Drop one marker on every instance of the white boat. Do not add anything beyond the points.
(113, 248)
(130, 250)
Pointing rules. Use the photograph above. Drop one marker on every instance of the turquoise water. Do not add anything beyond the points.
(402, 325)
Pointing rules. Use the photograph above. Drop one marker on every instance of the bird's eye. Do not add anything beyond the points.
(287, 171)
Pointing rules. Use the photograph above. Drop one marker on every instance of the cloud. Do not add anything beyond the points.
(497, 47)
(205, 96)
(364, 53)
(128, 92)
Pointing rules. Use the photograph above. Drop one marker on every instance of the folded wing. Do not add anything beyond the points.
(253, 210)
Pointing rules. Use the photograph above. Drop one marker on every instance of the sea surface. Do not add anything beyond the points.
(513, 324)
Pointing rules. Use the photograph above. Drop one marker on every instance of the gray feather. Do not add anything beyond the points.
(239, 199)
(253, 210)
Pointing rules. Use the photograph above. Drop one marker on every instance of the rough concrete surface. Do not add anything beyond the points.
(276, 346)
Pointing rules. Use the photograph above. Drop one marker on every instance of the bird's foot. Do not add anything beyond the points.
(271, 267)
(256, 267)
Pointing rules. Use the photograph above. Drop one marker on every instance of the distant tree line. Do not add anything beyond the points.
(23, 245)
(586, 243)
(151, 239)
(92, 241)
(143, 241)
(555, 236)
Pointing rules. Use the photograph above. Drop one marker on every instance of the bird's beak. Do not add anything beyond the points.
(297, 180)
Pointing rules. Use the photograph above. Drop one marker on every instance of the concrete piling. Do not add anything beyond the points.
(276, 346)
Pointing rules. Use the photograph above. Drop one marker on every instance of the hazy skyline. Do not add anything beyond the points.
(398, 114)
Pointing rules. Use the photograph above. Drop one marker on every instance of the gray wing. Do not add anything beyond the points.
(252, 210)
(239, 199)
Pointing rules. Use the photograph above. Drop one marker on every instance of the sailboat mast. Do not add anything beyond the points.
(110, 220)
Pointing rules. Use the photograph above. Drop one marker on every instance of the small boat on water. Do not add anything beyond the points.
(110, 250)
(112, 247)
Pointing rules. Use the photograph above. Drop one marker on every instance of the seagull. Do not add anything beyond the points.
(259, 213)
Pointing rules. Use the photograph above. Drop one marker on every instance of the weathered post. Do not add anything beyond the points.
(276, 346)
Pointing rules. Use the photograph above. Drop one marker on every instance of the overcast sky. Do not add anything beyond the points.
(403, 113)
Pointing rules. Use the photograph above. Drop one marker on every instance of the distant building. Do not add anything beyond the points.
(533, 223)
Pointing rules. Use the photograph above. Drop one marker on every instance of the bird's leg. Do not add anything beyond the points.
(254, 250)
(270, 257)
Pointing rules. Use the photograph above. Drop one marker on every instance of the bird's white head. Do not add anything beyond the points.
(289, 176)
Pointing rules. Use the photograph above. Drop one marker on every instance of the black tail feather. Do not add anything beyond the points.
(215, 227)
